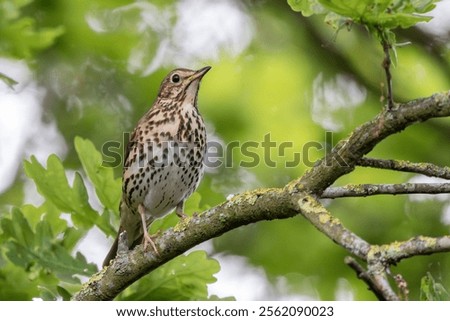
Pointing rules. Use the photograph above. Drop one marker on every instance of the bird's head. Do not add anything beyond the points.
(182, 84)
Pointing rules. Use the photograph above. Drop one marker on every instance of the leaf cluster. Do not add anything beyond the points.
(378, 16)
(20, 35)
(40, 253)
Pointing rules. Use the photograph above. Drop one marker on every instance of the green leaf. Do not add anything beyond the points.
(11, 9)
(430, 290)
(54, 223)
(55, 259)
(307, 7)
(374, 14)
(184, 278)
(20, 36)
(52, 183)
(47, 294)
(26, 247)
(192, 206)
(33, 214)
(15, 285)
(107, 188)
(384, 14)
(43, 236)
(17, 228)
(71, 237)
(66, 296)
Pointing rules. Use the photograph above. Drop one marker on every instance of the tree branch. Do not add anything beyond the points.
(129, 266)
(420, 245)
(378, 288)
(345, 155)
(426, 169)
(299, 196)
(390, 189)
(319, 216)
(379, 257)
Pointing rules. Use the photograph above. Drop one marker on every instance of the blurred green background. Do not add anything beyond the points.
(94, 68)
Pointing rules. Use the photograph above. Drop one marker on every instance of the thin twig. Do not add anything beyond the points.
(380, 280)
(389, 189)
(402, 287)
(387, 68)
(362, 274)
(426, 169)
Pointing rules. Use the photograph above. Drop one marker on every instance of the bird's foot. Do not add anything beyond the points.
(148, 240)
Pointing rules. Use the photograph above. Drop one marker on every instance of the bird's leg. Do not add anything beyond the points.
(147, 239)
(180, 210)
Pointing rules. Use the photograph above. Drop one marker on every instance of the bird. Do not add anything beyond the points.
(163, 161)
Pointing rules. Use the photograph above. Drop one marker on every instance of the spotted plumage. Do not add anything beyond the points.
(164, 158)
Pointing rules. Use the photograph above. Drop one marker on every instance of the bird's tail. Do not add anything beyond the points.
(112, 251)
(130, 222)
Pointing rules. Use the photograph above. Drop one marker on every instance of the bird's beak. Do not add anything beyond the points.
(193, 84)
(200, 73)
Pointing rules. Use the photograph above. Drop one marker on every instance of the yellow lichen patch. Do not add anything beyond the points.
(310, 205)
(248, 197)
(426, 241)
(98, 276)
(324, 218)
(391, 249)
(307, 203)
(373, 253)
(294, 186)
(182, 224)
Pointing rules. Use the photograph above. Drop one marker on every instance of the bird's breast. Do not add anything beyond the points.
(166, 166)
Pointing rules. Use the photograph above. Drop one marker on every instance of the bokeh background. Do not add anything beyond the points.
(273, 73)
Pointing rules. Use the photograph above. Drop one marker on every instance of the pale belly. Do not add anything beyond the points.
(170, 186)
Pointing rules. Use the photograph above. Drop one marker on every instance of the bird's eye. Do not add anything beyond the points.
(175, 78)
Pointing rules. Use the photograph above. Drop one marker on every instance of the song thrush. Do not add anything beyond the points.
(164, 158)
